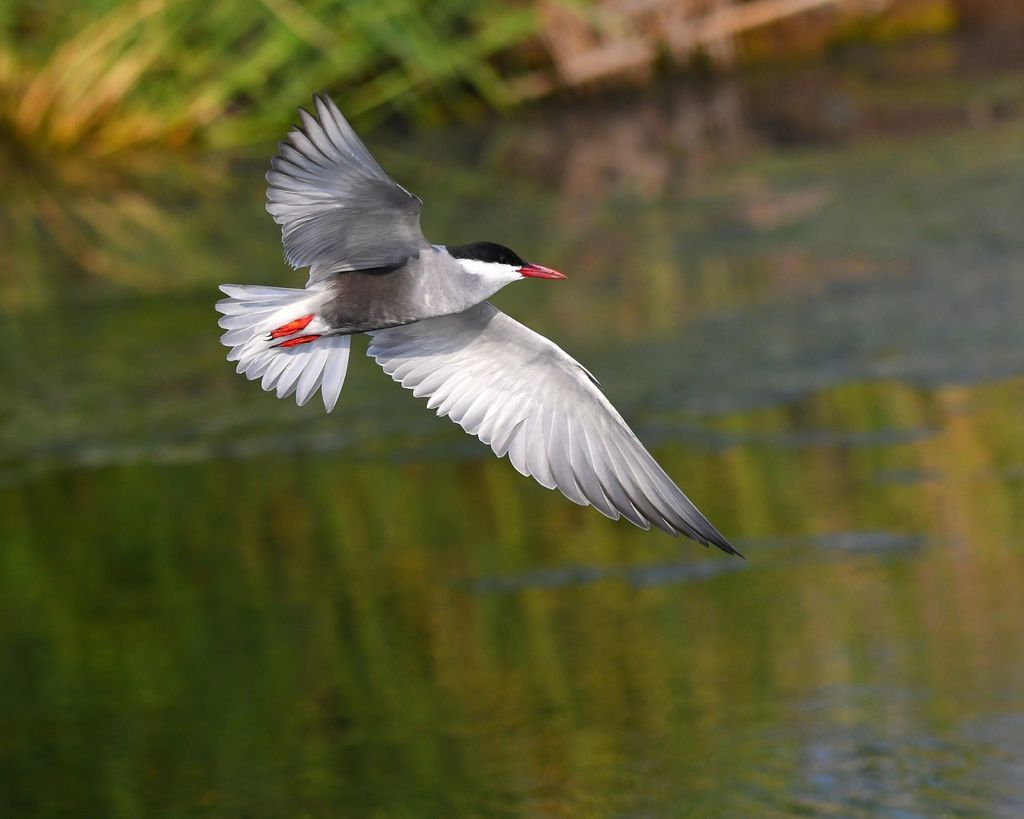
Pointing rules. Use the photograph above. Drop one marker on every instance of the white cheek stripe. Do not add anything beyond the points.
(489, 271)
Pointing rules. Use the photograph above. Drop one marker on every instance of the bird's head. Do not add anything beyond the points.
(496, 265)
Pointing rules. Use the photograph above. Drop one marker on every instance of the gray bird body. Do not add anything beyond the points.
(431, 283)
(425, 307)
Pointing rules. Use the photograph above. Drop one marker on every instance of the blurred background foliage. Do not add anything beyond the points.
(107, 75)
(104, 75)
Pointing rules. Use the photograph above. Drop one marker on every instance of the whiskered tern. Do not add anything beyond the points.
(432, 330)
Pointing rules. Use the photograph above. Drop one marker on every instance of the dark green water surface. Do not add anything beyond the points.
(806, 293)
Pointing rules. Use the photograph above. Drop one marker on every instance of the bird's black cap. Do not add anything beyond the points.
(486, 252)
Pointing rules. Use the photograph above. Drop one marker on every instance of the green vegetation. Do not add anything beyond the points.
(100, 76)
(106, 75)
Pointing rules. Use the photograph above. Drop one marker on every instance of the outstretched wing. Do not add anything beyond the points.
(337, 208)
(521, 394)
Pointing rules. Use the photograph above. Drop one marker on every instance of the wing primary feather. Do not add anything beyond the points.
(688, 518)
(613, 491)
(300, 140)
(634, 487)
(630, 500)
(330, 126)
(586, 477)
(317, 137)
(560, 459)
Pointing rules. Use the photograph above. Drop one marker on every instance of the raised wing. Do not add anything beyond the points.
(521, 394)
(337, 208)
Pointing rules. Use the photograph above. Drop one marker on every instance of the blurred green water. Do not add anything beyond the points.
(213, 603)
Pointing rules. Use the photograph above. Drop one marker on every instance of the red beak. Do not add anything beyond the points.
(537, 271)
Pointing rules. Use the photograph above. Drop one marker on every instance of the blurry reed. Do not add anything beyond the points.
(108, 75)
(104, 76)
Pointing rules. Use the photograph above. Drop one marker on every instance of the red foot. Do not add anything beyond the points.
(291, 327)
(295, 342)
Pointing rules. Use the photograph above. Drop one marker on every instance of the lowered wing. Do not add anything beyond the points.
(521, 394)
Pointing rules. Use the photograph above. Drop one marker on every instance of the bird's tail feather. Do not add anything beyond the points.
(275, 334)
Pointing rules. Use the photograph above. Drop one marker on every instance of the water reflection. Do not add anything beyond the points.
(216, 603)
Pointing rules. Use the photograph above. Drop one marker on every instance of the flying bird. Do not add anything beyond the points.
(425, 308)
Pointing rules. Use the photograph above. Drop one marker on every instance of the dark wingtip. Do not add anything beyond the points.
(704, 532)
(723, 544)
(707, 537)
(728, 548)
(715, 538)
